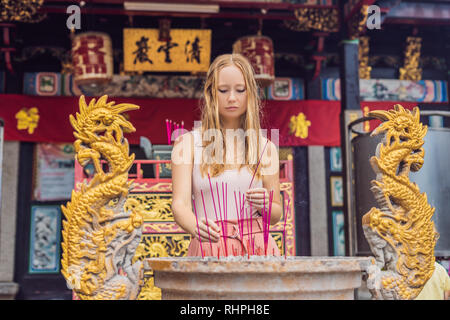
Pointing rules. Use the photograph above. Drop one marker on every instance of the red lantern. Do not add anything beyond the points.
(92, 58)
(259, 51)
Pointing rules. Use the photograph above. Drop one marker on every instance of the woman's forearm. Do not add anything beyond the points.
(185, 218)
(275, 214)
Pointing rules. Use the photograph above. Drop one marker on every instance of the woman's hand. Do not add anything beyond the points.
(258, 197)
(207, 233)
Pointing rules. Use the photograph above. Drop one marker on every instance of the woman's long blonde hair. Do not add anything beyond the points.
(249, 120)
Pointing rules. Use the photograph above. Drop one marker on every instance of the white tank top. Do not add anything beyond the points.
(230, 185)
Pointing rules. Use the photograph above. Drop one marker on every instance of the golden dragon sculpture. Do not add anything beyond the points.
(400, 233)
(102, 228)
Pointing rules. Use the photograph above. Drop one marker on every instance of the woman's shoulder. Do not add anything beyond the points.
(187, 137)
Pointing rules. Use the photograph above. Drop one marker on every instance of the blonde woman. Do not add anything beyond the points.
(225, 172)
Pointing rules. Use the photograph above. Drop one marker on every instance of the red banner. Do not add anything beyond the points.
(46, 119)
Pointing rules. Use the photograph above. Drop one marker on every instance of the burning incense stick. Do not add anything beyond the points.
(270, 212)
(212, 195)
(207, 224)
(214, 203)
(264, 214)
(177, 133)
(221, 220)
(238, 215)
(257, 165)
(225, 199)
(251, 229)
(198, 230)
(284, 227)
(248, 231)
(242, 213)
(168, 132)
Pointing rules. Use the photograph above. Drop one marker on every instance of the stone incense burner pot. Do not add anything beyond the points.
(257, 277)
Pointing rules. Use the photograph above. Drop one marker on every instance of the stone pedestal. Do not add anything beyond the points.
(8, 217)
(8, 290)
(262, 278)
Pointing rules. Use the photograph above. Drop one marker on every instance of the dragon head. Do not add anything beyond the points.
(101, 118)
(403, 130)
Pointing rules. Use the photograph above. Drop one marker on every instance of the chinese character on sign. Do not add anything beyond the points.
(299, 125)
(27, 119)
(142, 51)
(166, 48)
(192, 53)
(90, 54)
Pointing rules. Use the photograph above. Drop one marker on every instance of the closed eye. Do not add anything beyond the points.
(224, 91)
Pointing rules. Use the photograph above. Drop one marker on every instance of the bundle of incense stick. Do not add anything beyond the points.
(240, 213)
(243, 216)
(224, 227)
(252, 237)
(172, 127)
(215, 211)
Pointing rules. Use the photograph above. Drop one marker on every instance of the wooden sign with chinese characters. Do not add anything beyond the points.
(188, 50)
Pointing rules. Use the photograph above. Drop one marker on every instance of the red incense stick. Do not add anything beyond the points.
(284, 227)
(237, 215)
(270, 213)
(168, 132)
(251, 228)
(177, 126)
(212, 195)
(214, 203)
(264, 216)
(198, 229)
(225, 206)
(207, 225)
(221, 220)
(258, 165)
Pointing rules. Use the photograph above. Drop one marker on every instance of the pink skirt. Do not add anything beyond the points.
(237, 240)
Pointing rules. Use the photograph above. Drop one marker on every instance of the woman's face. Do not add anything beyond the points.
(232, 93)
